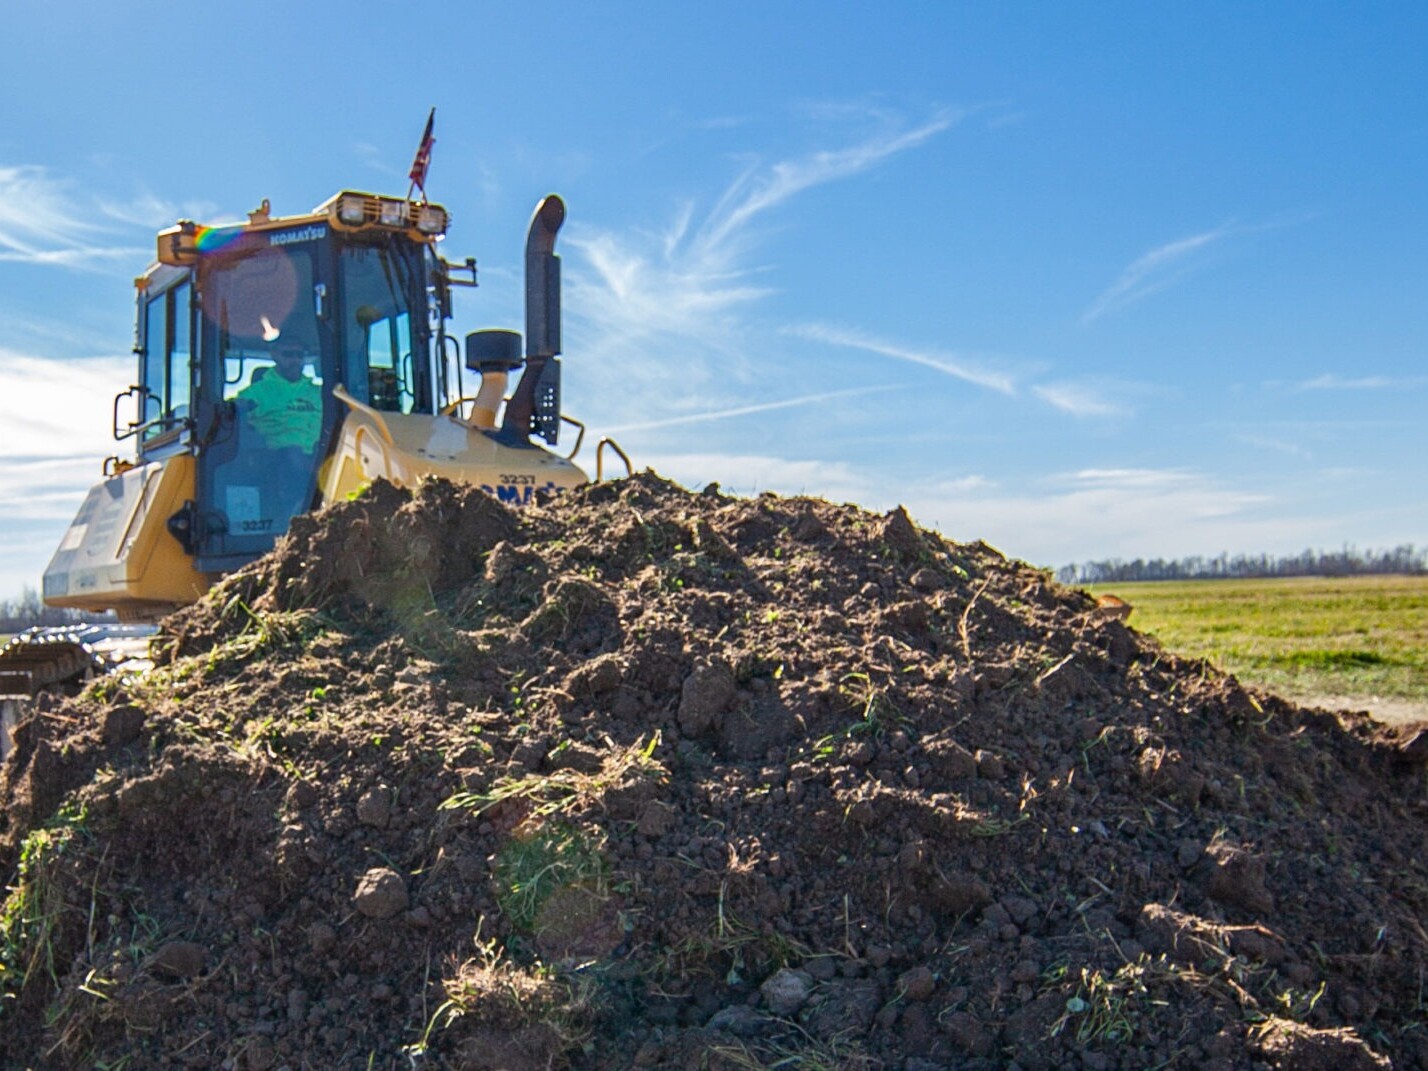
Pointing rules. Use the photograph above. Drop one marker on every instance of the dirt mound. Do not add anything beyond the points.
(648, 778)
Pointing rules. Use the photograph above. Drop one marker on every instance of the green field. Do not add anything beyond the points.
(1354, 637)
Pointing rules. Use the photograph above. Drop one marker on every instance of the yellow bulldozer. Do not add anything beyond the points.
(286, 362)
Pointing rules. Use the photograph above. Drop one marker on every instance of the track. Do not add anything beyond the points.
(61, 659)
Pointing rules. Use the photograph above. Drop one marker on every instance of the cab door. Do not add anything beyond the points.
(259, 433)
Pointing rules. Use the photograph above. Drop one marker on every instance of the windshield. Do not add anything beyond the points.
(253, 306)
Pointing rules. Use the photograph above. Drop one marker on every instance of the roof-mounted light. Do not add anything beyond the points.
(431, 219)
(352, 209)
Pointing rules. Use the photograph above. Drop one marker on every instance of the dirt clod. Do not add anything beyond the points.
(1290, 1045)
(180, 959)
(380, 894)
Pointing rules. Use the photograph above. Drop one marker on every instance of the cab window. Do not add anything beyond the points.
(180, 354)
(384, 361)
(255, 304)
(167, 369)
(389, 364)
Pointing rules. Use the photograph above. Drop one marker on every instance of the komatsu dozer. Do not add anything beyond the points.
(287, 362)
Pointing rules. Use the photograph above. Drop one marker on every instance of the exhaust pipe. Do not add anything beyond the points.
(543, 280)
(535, 406)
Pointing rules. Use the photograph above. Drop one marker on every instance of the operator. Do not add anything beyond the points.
(285, 408)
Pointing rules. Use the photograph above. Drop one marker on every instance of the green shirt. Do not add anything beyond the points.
(285, 413)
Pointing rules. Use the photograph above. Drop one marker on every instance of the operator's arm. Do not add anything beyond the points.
(255, 409)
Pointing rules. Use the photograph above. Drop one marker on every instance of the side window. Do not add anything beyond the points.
(384, 355)
(167, 373)
(156, 342)
(389, 364)
(180, 354)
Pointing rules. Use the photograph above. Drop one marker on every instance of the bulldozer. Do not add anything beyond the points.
(286, 362)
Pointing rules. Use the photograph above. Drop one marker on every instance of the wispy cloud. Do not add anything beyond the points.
(41, 224)
(150, 212)
(81, 258)
(964, 484)
(57, 409)
(49, 489)
(1134, 479)
(1330, 381)
(757, 190)
(949, 364)
(1104, 513)
(750, 474)
(57, 417)
(1077, 399)
(1054, 519)
(36, 336)
(645, 293)
(672, 307)
(35, 210)
(747, 410)
(376, 158)
(1155, 271)
(1278, 446)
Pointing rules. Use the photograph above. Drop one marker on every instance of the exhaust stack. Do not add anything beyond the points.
(535, 406)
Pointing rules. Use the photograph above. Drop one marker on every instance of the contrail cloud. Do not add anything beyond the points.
(748, 410)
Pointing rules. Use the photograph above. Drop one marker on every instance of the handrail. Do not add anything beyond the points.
(600, 458)
(134, 427)
(578, 439)
(340, 392)
(442, 339)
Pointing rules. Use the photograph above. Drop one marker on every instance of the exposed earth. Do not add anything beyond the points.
(647, 778)
(1380, 708)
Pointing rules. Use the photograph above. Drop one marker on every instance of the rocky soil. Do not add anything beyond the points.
(642, 777)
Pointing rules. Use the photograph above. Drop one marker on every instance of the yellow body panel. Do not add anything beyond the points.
(118, 553)
(403, 448)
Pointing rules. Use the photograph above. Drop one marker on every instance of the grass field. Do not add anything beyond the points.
(1354, 637)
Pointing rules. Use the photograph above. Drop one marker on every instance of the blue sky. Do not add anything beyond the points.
(1082, 280)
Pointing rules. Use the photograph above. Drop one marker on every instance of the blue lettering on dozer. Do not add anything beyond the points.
(523, 495)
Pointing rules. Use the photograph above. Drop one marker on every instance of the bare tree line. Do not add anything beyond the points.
(27, 611)
(1349, 561)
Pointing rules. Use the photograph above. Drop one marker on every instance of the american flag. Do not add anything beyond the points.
(423, 156)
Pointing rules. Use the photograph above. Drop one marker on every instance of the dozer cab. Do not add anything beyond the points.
(354, 296)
